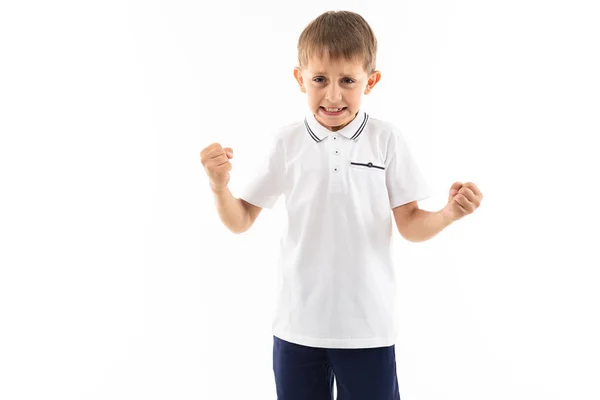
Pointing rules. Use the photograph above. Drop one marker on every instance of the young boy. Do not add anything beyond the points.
(341, 173)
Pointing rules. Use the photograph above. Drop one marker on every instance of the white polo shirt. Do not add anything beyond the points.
(337, 282)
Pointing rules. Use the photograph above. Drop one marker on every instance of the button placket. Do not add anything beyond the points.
(336, 153)
(336, 160)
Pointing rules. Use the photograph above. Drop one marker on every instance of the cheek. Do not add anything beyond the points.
(354, 96)
(313, 93)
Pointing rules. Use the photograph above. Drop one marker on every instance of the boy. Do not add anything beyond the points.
(341, 172)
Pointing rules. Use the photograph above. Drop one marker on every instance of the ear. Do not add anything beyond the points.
(298, 76)
(373, 79)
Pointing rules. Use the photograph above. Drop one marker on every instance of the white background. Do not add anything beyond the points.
(118, 280)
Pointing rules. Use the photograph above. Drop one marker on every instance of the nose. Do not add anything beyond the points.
(333, 93)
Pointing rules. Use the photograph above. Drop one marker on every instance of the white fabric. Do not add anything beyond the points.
(337, 282)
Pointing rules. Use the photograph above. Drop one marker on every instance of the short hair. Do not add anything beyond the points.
(338, 34)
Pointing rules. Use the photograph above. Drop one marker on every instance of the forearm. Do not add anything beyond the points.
(423, 225)
(232, 211)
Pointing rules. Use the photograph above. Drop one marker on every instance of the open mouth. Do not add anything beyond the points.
(332, 111)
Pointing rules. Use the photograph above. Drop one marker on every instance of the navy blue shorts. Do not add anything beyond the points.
(307, 373)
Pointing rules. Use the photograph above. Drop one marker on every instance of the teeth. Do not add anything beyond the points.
(333, 109)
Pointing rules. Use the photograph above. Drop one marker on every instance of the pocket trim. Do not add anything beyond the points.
(369, 164)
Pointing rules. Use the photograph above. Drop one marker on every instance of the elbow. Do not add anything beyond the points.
(237, 230)
(416, 238)
(410, 238)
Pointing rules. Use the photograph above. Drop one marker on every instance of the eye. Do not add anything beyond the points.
(317, 79)
(348, 80)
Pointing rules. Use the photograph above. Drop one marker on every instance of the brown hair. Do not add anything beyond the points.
(338, 34)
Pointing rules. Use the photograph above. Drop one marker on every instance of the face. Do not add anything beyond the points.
(332, 85)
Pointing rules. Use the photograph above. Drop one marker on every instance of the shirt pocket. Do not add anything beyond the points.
(367, 173)
(367, 179)
(366, 165)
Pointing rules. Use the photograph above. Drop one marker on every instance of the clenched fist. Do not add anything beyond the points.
(462, 200)
(215, 160)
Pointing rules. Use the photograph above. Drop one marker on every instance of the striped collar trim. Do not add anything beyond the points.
(352, 131)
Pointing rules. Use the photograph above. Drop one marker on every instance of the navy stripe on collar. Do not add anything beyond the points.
(361, 128)
(311, 133)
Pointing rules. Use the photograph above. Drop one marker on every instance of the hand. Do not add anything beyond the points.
(215, 160)
(463, 200)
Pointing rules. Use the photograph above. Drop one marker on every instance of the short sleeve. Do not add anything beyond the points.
(404, 179)
(266, 182)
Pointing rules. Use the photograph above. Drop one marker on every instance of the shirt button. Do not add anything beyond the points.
(335, 169)
(336, 152)
(370, 164)
(335, 138)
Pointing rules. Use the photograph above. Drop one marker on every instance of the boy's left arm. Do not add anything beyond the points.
(418, 225)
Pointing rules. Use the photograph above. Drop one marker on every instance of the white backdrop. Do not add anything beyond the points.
(118, 280)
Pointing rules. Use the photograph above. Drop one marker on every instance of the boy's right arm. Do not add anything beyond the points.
(236, 214)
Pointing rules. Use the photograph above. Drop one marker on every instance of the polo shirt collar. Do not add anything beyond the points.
(352, 131)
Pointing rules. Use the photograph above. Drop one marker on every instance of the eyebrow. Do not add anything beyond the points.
(323, 73)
